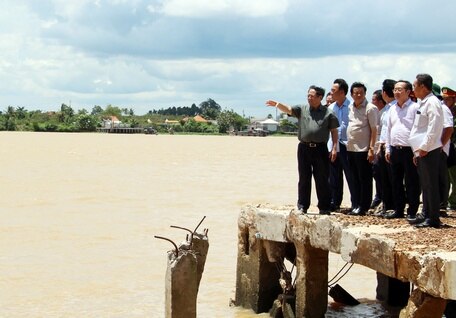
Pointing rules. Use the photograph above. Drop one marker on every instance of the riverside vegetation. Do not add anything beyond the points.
(68, 120)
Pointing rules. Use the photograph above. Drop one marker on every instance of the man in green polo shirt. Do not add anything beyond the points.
(315, 123)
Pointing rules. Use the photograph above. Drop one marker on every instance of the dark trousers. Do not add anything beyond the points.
(376, 174)
(444, 184)
(428, 167)
(403, 169)
(337, 170)
(362, 175)
(386, 177)
(313, 161)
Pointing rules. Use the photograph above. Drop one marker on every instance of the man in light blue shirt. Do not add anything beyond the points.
(340, 166)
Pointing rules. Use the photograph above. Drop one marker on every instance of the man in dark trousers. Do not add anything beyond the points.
(315, 123)
(425, 139)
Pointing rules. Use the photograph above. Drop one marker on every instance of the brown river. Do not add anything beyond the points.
(79, 213)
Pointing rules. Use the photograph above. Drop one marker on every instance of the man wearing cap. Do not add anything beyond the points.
(445, 139)
(425, 139)
(315, 123)
(449, 100)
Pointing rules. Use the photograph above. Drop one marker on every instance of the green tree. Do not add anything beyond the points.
(97, 110)
(86, 122)
(210, 109)
(112, 111)
(229, 119)
(66, 113)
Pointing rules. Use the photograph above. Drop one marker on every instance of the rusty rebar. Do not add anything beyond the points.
(176, 251)
(199, 224)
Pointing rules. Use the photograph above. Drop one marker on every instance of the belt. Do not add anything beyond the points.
(313, 144)
(401, 147)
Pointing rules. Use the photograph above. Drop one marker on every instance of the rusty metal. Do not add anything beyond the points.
(190, 231)
(176, 251)
(199, 224)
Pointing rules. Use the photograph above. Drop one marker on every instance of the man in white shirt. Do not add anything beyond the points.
(399, 153)
(425, 138)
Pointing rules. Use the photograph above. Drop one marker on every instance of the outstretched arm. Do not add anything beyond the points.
(282, 107)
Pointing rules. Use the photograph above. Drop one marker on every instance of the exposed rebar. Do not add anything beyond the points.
(176, 251)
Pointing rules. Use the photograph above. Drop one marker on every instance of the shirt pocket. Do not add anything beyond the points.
(422, 120)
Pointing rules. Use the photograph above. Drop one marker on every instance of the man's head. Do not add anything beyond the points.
(449, 96)
(329, 98)
(339, 90)
(402, 90)
(387, 89)
(314, 95)
(377, 99)
(422, 85)
(358, 92)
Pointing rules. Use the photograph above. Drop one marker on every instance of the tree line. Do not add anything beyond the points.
(66, 119)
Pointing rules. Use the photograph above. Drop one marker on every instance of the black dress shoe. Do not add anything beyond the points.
(415, 219)
(375, 203)
(334, 208)
(428, 223)
(325, 212)
(358, 212)
(394, 215)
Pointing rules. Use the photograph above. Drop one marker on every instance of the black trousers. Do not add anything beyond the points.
(428, 169)
(337, 170)
(403, 169)
(444, 184)
(313, 161)
(386, 177)
(362, 175)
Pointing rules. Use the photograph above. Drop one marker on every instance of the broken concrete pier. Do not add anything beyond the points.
(267, 235)
(183, 275)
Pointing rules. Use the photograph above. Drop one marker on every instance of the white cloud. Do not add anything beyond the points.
(209, 8)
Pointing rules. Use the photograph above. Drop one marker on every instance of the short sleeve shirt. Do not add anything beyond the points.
(314, 125)
(360, 122)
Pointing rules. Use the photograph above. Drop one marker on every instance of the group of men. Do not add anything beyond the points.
(401, 139)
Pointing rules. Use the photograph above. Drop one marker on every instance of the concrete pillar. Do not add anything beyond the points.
(311, 281)
(393, 291)
(181, 286)
(422, 305)
(200, 246)
(257, 279)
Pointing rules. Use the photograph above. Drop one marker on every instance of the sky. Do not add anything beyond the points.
(157, 54)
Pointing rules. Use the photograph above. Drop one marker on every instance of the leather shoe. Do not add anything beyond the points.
(375, 203)
(415, 219)
(357, 212)
(394, 215)
(428, 223)
(334, 208)
(325, 212)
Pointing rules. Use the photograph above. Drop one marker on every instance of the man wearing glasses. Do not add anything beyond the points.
(425, 139)
(399, 153)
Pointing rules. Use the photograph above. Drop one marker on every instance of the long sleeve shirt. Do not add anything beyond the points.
(429, 122)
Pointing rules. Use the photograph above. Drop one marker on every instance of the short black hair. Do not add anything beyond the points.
(388, 87)
(320, 91)
(342, 84)
(356, 85)
(408, 85)
(425, 79)
(378, 96)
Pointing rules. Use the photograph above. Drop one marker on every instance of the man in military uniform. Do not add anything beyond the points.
(449, 99)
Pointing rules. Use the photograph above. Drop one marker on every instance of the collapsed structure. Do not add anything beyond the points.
(268, 235)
